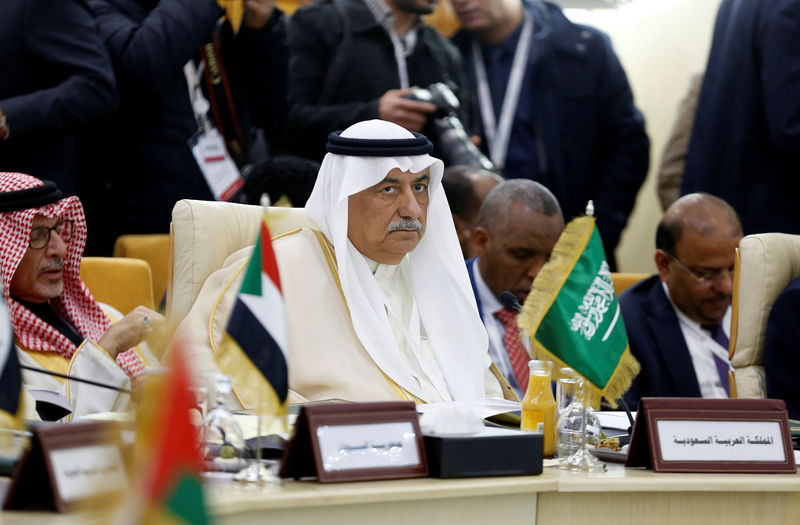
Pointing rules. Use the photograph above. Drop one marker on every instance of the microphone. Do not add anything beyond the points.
(509, 300)
(628, 412)
(73, 378)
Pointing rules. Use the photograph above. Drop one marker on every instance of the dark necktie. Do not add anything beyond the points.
(499, 69)
(718, 335)
(516, 350)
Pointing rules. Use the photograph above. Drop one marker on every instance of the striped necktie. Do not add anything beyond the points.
(517, 353)
(718, 335)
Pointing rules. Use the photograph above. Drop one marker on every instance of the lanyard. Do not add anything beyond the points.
(200, 105)
(400, 58)
(498, 134)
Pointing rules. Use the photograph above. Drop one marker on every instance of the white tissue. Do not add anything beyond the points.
(448, 419)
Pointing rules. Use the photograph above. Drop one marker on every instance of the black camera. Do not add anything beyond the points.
(449, 136)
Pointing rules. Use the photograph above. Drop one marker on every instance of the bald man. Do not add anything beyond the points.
(678, 321)
(466, 187)
(519, 224)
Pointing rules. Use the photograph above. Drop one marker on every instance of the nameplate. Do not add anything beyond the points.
(356, 442)
(68, 464)
(712, 435)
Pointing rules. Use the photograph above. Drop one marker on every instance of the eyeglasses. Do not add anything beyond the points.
(40, 235)
(705, 278)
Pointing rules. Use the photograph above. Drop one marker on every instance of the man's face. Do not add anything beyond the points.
(480, 15)
(703, 302)
(39, 276)
(417, 7)
(387, 221)
(511, 256)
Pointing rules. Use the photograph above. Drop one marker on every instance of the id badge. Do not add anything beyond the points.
(220, 172)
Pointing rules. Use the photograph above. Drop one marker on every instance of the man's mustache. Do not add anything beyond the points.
(405, 224)
(56, 264)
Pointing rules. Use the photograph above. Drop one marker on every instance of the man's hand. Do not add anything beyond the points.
(257, 12)
(411, 114)
(131, 330)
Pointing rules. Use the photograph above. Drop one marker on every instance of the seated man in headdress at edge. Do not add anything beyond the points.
(378, 301)
(58, 325)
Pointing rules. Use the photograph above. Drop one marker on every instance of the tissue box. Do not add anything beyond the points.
(493, 452)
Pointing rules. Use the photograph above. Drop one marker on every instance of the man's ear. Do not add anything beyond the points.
(480, 240)
(662, 264)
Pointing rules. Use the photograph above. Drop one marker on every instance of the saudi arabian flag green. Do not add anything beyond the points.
(573, 315)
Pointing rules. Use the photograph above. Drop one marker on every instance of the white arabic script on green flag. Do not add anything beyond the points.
(573, 315)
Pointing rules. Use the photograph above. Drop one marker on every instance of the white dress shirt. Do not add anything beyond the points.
(702, 349)
(496, 330)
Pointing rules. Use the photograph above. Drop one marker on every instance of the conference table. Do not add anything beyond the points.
(619, 496)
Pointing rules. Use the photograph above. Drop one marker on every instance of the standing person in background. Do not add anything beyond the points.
(55, 78)
(353, 60)
(552, 103)
(160, 148)
(673, 160)
(745, 145)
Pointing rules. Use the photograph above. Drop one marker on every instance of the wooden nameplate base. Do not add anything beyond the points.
(712, 435)
(66, 465)
(356, 442)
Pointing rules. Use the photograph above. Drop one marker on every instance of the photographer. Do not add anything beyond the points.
(353, 60)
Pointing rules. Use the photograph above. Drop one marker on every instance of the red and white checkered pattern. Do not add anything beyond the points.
(75, 303)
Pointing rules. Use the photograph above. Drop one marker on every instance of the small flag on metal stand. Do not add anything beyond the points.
(574, 319)
(167, 459)
(256, 337)
(573, 315)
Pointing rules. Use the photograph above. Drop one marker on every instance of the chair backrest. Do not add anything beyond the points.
(121, 282)
(765, 264)
(205, 233)
(153, 248)
(623, 281)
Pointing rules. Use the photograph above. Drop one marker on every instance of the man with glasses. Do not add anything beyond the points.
(58, 326)
(678, 321)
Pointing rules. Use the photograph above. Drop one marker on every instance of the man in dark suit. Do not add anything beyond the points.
(745, 142)
(566, 118)
(678, 321)
(781, 356)
(55, 79)
(519, 224)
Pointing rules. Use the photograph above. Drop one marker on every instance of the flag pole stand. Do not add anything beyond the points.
(257, 473)
(582, 460)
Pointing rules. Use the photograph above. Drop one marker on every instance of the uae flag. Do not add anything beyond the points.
(255, 344)
(573, 315)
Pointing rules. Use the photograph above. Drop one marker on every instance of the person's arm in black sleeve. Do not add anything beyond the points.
(780, 76)
(624, 149)
(152, 51)
(63, 43)
(264, 56)
(781, 353)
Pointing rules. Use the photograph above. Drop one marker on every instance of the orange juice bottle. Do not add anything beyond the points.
(539, 405)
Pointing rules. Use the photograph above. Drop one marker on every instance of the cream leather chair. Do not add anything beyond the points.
(765, 264)
(204, 233)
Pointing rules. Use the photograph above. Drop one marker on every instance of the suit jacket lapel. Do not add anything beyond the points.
(470, 269)
(677, 361)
